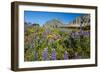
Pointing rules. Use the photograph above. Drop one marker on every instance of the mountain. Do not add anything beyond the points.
(29, 25)
(53, 23)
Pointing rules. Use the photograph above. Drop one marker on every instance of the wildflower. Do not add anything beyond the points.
(53, 55)
(50, 36)
(45, 54)
(65, 55)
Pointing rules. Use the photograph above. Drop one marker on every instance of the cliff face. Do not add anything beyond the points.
(84, 20)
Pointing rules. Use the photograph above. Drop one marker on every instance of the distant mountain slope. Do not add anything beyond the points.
(53, 23)
(29, 25)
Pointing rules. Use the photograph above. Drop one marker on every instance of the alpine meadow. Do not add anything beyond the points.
(56, 36)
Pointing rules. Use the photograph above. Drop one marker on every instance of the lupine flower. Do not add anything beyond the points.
(77, 34)
(45, 54)
(53, 55)
(65, 55)
(88, 33)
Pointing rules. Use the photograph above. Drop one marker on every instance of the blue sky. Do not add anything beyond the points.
(42, 17)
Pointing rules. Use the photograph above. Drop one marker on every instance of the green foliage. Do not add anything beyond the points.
(56, 39)
(29, 55)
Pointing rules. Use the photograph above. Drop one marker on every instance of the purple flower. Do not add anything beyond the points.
(53, 55)
(45, 54)
(65, 55)
(87, 33)
(81, 32)
(77, 33)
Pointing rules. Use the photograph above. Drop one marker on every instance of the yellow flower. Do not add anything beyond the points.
(50, 36)
(30, 30)
(58, 39)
